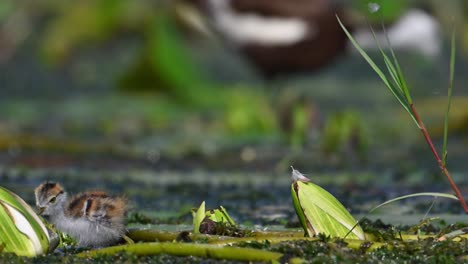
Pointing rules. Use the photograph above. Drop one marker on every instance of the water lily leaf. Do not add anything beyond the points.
(320, 212)
(21, 230)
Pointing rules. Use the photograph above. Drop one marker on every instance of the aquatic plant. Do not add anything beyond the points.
(21, 230)
(396, 83)
(320, 212)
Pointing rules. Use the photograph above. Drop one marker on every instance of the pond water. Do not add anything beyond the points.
(167, 158)
(252, 198)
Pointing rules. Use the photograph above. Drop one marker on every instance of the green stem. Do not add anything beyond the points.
(151, 235)
(439, 160)
(191, 249)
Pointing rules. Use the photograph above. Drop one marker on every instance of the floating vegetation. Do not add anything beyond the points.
(21, 230)
(320, 212)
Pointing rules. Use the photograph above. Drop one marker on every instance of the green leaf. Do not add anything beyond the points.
(321, 212)
(308, 230)
(220, 216)
(402, 93)
(400, 89)
(449, 96)
(365, 55)
(198, 217)
(226, 215)
(401, 78)
(433, 194)
(21, 230)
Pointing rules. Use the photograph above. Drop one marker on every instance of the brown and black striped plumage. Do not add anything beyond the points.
(93, 218)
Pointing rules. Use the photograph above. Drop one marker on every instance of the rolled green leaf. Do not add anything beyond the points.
(320, 212)
(21, 230)
(198, 216)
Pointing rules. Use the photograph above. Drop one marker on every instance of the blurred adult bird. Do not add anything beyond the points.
(281, 37)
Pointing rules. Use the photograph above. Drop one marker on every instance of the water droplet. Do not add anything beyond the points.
(373, 7)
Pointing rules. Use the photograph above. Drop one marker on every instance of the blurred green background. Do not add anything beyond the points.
(110, 93)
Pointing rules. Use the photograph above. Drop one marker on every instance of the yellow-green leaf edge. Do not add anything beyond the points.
(320, 212)
(14, 240)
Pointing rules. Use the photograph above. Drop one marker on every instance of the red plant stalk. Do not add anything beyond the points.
(439, 161)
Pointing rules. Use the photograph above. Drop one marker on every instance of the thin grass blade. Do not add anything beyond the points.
(388, 63)
(393, 89)
(365, 55)
(402, 94)
(400, 84)
(401, 77)
(449, 96)
(431, 194)
(391, 69)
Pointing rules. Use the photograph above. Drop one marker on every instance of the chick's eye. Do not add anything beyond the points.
(52, 200)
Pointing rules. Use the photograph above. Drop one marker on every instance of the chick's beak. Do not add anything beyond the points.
(40, 210)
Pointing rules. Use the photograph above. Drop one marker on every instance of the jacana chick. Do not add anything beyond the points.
(94, 218)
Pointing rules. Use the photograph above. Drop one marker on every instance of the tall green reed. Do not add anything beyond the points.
(397, 85)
